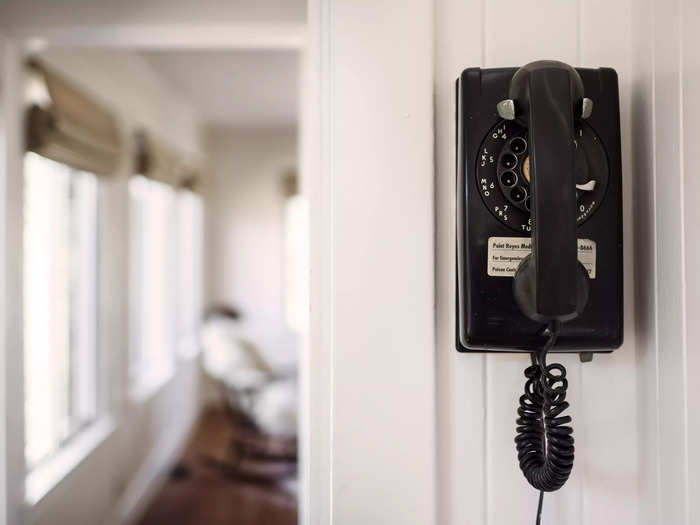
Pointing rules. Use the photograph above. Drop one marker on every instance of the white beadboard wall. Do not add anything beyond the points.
(371, 379)
(666, 66)
(479, 480)
(383, 380)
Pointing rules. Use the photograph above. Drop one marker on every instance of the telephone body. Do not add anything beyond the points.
(545, 159)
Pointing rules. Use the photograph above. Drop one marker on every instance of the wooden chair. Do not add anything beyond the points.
(254, 455)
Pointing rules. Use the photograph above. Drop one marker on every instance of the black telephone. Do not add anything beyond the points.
(539, 235)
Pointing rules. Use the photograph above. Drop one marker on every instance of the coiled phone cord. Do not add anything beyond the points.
(544, 441)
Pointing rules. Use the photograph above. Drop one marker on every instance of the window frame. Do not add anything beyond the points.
(42, 478)
(143, 384)
(187, 340)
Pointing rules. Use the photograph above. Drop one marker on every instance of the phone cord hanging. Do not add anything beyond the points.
(545, 441)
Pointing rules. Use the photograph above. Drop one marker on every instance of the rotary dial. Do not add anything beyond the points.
(503, 173)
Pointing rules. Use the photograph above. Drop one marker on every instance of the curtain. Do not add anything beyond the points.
(66, 125)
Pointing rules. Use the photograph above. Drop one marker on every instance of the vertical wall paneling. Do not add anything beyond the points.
(634, 418)
(514, 38)
(380, 172)
(690, 90)
(643, 195)
(670, 265)
(479, 478)
(460, 403)
(608, 421)
(666, 137)
(316, 370)
(3, 303)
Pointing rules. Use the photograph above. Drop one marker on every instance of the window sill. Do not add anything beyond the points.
(47, 476)
(145, 386)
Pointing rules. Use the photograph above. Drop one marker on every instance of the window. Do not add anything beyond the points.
(296, 263)
(190, 247)
(153, 289)
(60, 304)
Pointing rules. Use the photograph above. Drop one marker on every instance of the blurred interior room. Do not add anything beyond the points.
(164, 261)
(266, 262)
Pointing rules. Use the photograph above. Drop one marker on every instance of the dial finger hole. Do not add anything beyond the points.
(508, 179)
(518, 194)
(509, 160)
(527, 204)
(518, 145)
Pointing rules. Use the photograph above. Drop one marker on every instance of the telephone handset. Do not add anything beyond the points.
(539, 234)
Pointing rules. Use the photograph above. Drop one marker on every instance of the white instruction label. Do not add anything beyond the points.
(505, 254)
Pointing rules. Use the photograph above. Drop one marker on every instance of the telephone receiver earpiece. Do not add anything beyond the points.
(550, 284)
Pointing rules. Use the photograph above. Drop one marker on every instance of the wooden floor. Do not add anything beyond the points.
(198, 494)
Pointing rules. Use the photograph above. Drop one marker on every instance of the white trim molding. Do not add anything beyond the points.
(289, 36)
(11, 326)
(47, 476)
(371, 362)
(151, 476)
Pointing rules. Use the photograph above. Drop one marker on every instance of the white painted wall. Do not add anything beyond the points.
(371, 358)
(371, 233)
(666, 63)
(244, 224)
(244, 199)
(480, 481)
(372, 396)
(3, 300)
(109, 482)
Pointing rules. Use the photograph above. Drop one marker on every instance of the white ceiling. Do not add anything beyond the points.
(234, 88)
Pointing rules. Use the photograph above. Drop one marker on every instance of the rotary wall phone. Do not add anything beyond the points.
(539, 235)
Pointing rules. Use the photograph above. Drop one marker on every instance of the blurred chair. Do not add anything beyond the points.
(259, 387)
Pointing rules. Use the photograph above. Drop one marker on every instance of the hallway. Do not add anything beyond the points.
(197, 494)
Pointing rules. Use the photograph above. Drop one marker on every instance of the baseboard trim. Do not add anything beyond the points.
(150, 477)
